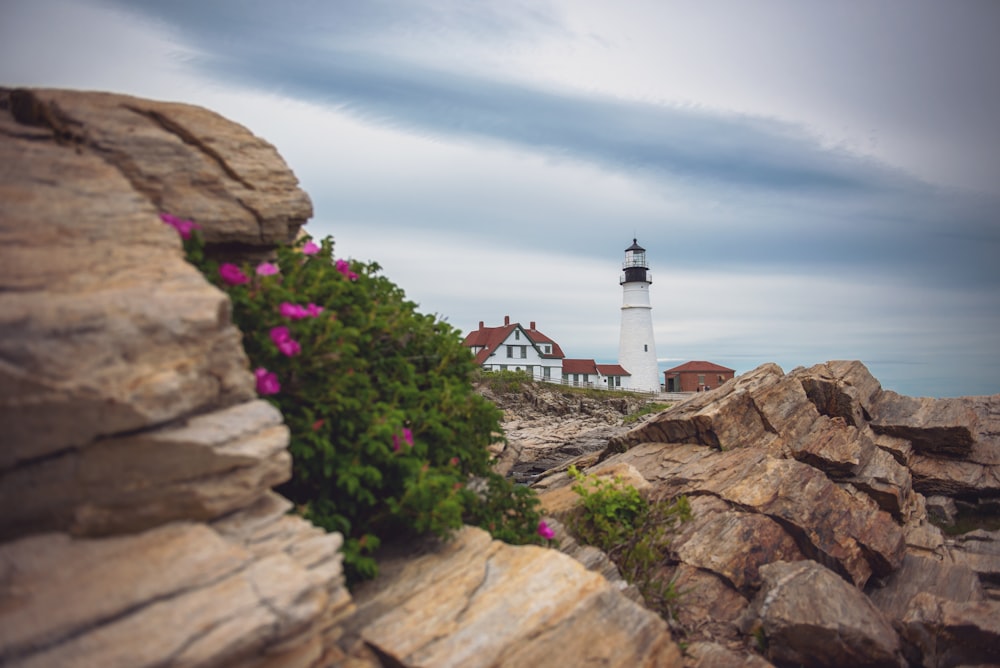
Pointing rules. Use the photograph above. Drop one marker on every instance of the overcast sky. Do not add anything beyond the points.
(811, 181)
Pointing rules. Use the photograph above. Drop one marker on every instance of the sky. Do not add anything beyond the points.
(811, 181)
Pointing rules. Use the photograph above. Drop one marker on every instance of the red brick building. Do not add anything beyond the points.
(697, 376)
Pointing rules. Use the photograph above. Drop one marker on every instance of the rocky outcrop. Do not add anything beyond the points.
(820, 470)
(545, 427)
(178, 158)
(138, 523)
(496, 605)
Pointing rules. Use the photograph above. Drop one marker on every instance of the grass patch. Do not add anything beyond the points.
(644, 410)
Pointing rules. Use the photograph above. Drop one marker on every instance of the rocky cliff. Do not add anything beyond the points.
(137, 518)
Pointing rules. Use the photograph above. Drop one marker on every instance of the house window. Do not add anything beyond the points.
(510, 351)
(701, 379)
(576, 378)
(586, 377)
(548, 349)
(517, 334)
(618, 381)
(503, 367)
(524, 352)
(546, 372)
(530, 370)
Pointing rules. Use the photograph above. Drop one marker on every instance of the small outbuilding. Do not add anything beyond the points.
(696, 376)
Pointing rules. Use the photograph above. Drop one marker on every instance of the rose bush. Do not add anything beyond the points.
(388, 436)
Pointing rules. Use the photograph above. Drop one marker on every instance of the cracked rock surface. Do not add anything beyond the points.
(137, 525)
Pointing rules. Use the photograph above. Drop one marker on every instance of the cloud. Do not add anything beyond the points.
(497, 158)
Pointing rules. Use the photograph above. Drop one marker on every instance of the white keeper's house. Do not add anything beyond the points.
(512, 347)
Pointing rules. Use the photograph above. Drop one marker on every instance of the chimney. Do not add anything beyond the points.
(506, 320)
(481, 324)
(532, 328)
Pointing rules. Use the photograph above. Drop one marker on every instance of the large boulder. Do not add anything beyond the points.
(493, 604)
(179, 158)
(808, 616)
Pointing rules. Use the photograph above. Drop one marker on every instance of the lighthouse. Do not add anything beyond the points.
(636, 348)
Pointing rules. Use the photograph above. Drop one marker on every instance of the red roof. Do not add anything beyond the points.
(491, 338)
(579, 366)
(612, 370)
(699, 366)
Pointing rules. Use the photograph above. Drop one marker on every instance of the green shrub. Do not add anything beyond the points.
(632, 530)
(387, 431)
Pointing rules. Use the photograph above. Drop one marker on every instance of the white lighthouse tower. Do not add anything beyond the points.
(636, 348)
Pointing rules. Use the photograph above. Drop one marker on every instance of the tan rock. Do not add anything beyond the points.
(941, 577)
(952, 633)
(558, 497)
(810, 616)
(731, 543)
(707, 607)
(841, 388)
(199, 470)
(938, 427)
(713, 655)
(827, 522)
(104, 341)
(183, 159)
(497, 605)
(980, 551)
(724, 418)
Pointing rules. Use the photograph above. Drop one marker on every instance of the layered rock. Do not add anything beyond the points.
(138, 523)
(492, 604)
(544, 427)
(818, 469)
(178, 158)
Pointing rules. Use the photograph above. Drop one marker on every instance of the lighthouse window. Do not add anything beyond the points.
(645, 348)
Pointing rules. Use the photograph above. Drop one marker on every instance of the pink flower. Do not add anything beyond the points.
(344, 268)
(267, 269)
(292, 311)
(232, 275)
(297, 312)
(310, 248)
(267, 382)
(183, 227)
(545, 532)
(284, 341)
(407, 437)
